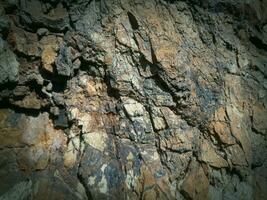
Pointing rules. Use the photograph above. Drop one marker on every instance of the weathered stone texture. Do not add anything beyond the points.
(133, 99)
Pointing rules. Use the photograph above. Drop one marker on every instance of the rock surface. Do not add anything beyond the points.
(133, 99)
(9, 66)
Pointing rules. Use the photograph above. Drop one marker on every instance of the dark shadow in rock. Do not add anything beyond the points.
(133, 21)
(9, 86)
(258, 43)
(27, 111)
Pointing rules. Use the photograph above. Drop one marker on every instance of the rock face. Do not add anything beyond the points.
(133, 99)
(9, 66)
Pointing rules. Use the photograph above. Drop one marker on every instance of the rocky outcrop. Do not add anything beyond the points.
(133, 99)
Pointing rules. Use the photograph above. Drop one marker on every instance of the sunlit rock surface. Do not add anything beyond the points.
(133, 99)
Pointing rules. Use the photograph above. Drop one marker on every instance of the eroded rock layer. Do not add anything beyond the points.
(133, 99)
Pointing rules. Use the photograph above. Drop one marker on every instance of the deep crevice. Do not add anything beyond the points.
(133, 21)
(258, 43)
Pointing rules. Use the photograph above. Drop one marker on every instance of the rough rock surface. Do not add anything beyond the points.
(133, 99)
(9, 66)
